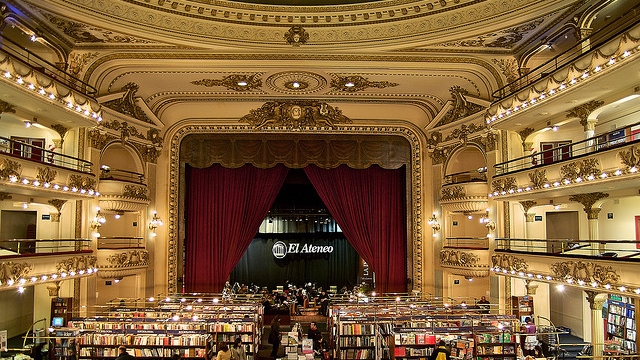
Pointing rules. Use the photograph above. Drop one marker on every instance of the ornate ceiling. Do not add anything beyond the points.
(385, 62)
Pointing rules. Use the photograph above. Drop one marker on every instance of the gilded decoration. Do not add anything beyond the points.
(11, 272)
(507, 38)
(46, 175)
(84, 33)
(77, 263)
(461, 106)
(296, 35)
(630, 158)
(508, 262)
(528, 204)
(583, 111)
(434, 139)
(452, 192)
(126, 104)
(504, 185)
(490, 141)
(464, 131)
(295, 114)
(5, 107)
(585, 271)
(77, 62)
(524, 133)
(580, 169)
(538, 178)
(438, 156)
(57, 203)
(235, 82)
(5, 196)
(80, 182)
(510, 70)
(126, 131)
(458, 258)
(388, 152)
(296, 82)
(132, 258)
(99, 139)
(587, 200)
(595, 302)
(149, 153)
(9, 168)
(355, 83)
(61, 130)
(135, 192)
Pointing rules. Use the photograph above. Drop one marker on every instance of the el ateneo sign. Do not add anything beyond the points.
(280, 249)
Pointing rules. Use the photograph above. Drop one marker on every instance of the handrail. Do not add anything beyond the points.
(42, 246)
(466, 176)
(107, 173)
(598, 143)
(41, 155)
(120, 242)
(43, 66)
(466, 242)
(566, 57)
(626, 249)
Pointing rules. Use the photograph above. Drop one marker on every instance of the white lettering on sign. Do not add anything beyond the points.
(280, 249)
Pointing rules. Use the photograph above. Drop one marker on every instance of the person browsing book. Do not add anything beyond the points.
(441, 352)
(123, 354)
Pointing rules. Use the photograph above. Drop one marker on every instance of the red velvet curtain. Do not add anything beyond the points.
(369, 205)
(224, 209)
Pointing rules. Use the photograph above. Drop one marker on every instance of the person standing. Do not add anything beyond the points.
(223, 352)
(484, 305)
(441, 352)
(316, 336)
(238, 349)
(275, 336)
(531, 340)
(123, 354)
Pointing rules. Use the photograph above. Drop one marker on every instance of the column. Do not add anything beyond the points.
(596, 301)
(529, 218)
(588, 200)
(583, 112)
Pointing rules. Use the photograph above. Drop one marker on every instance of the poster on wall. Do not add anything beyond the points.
(3, 340)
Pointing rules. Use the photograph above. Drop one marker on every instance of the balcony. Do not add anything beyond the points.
(27, 169)
(25, 262)
(466, 256)
(121, 256)
(465, 191)
(609, 266)
(46, 86)
(607, 162)
(122, 190)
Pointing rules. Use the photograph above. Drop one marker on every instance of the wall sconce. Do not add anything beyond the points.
(155, 222)
(435, 225)
(97, 221)
(484, 219)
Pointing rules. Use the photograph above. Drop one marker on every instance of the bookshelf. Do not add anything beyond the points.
(63, 345)
(522, 307)
(495, 346)
(621, 322)
(189, 330)
(61, 311)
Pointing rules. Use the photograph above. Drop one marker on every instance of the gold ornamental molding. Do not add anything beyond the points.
(235, 82)
(135, 192)
(509, 263)
(452, 192)
(415, 144)
(123, 264)
(355, 83)
(577, 171)
(630, 158)
(296, 36)
(46, 175)
(5, 196)
(458, 258)
(5, 107)
(504, 185)
(295, 114)
(538, 178)
(588, 200)
(127, 104)
(82, 182)
(583, 272)
(11, 272)
(583, 111)
(461, 107)
(9, 169)
(77, 264)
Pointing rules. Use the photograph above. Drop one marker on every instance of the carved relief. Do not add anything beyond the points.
(585, 271)
(524, 133)
(509, 69)
(5, 107)
(458, 258)
(77, 62)
(80, 182)
(464, 131)
(149, 153)
(126, 104)
(356, 83)
(235, 82)
(438, 156)
(77, 263)
(295, 114)
(296, 35)
(452, 192)
(126, 131)
(5, 196)
(129, 259)
(587, 200)
(61, 130)
(9, 168)
(46, 175)
(580, 169)
(583, 111)
(504, 185)
(538, 178)
(136, 192)
(508, 262)
(461, 107)
(490, 141)
(11, 272)
(99, 140)
(630, 158)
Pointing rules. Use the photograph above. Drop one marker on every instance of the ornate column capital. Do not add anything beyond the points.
(587, 200)
(595, 303)
(583, 111)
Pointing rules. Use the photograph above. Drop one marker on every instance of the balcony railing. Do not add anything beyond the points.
(120, 242)
(107, 173)
(611, 31)
(625, 249)
(40, 65)
(466, 176)
(14, 247)
(40, 155)
(466, 243)
(603, 142)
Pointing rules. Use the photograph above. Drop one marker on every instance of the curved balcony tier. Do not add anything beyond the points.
(114, 263)
(465, 197)
(121, 195)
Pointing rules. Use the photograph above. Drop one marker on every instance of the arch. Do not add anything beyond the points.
(464, 159)
(414, 188)
(122, 157)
